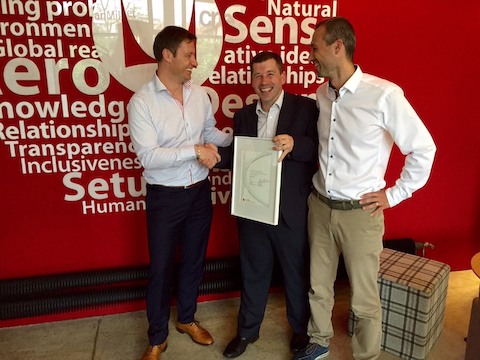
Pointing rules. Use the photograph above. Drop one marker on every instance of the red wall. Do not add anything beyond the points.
(427, 47)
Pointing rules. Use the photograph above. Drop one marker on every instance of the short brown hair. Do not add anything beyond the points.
(267, 55)
(339, 28)
(170, 38)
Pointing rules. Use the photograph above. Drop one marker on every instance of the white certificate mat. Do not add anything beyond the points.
(256, 180)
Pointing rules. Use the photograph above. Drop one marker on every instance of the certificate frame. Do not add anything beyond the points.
(256, 180)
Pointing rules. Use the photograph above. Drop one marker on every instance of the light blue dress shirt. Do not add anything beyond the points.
(165, 131)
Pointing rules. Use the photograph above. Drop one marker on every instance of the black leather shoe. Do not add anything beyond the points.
(299, 342)
(237, 346)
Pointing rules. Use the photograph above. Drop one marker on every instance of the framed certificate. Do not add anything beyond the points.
(256, 180)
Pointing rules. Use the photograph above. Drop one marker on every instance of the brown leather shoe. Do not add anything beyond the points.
(154, 351)
(196, 332)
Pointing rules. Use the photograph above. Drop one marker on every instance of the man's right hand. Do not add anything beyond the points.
(207, 155)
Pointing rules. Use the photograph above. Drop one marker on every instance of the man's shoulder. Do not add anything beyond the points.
(144, 91)
(247, 109)
(299, 102)
(299, 98)
(378, 82)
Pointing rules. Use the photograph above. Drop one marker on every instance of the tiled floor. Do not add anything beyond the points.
(123, 336)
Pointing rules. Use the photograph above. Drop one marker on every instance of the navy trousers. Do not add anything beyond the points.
(178, 223)
(260, 245)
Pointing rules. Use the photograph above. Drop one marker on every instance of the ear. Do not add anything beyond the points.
(338, 45)
(167, 55)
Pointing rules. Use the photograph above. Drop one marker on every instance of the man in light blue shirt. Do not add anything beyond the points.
(174, 135)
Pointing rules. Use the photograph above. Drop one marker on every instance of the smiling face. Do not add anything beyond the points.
(321, 53)
(267, 81)
(184, 61)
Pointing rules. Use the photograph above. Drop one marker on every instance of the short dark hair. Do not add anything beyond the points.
(170, 38)
(267, 55)
(339, 28)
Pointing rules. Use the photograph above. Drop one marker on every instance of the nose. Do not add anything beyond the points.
(194, 62)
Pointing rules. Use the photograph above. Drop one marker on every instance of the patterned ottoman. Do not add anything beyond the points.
(413, 292)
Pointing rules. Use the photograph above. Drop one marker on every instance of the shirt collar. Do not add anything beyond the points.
(159, 86)
(278, 103)
(351, 84)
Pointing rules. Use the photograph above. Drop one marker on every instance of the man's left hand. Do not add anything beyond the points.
(376, 201)
(283, 143)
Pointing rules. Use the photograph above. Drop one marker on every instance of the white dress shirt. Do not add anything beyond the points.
(164, 132)
(356, 134)
(268, 121)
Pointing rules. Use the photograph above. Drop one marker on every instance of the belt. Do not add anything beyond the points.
(338, 204)
(179, 187)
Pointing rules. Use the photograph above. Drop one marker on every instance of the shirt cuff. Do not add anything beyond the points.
(395, 196)
(188, 153)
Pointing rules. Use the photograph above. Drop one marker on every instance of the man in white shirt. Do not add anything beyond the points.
(174, 135)
(361, 117)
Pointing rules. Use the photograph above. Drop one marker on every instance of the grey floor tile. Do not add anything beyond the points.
(72, 339)
(121, 336)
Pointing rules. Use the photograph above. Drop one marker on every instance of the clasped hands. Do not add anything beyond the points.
(207, 155)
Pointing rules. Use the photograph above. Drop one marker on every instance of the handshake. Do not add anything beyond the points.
(207, 155)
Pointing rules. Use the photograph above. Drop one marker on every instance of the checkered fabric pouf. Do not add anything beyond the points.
(413, 292)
